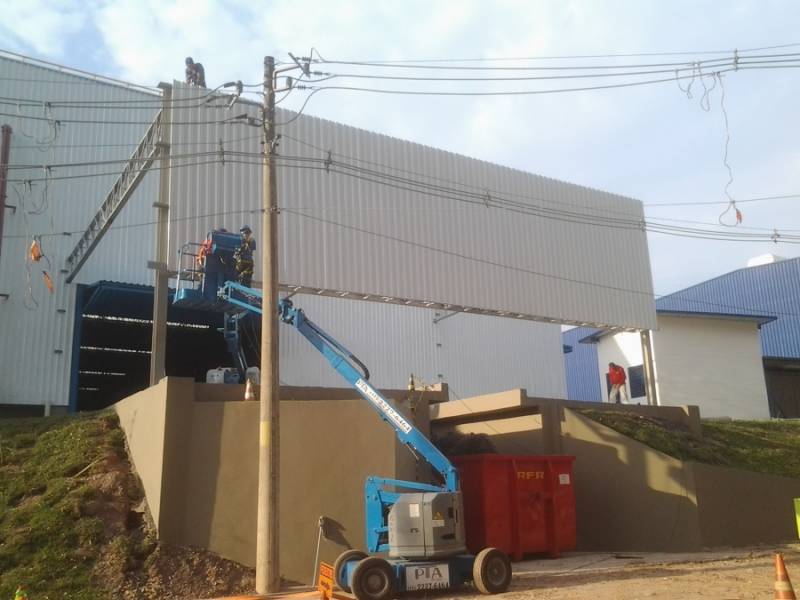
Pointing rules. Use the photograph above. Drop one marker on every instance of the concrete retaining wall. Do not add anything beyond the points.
(198, 463)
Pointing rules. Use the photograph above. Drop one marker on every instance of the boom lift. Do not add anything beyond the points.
(420, 526)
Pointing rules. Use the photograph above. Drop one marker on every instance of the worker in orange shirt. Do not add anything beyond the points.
(617, 379)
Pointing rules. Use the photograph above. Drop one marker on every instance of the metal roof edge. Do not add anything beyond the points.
(724, 275)
(55, 67)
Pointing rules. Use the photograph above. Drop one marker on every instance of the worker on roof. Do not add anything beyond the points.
(195, 73)
(243, 256)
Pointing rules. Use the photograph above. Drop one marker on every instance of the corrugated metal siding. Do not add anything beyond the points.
(580, 366)
(31, 367)
(772, 289)
(312, 253)
(475, 354)
(422, 262)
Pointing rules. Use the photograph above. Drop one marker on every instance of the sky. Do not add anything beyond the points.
(652, 143)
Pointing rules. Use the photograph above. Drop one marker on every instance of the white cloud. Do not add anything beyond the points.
(45, 26)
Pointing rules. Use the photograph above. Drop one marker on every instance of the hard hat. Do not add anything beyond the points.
(246, 229)
(189, 60)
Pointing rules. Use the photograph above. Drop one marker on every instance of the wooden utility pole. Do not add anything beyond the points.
(158, 347)
(268, 575)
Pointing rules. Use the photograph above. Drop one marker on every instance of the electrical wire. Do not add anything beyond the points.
(526, 197)
(475, 199)
(629, 84)
(408, 242)
(427, 66)
(562, 57)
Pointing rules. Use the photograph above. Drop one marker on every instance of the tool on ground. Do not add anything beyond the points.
(419, 525)
(783, 587)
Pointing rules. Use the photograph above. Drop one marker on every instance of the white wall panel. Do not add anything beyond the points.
(474, 354)
(713, 363)
(36, 343)
(343, 233)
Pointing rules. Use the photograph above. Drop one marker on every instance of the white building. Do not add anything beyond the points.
(420, 233)
(710, 360)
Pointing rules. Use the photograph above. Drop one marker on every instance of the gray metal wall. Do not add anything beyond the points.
(36, 342)
(474, 354)
(477, 354)
(340, 233)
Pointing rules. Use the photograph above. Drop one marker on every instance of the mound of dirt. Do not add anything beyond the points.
(132, 564)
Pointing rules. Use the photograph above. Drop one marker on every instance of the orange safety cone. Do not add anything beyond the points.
(249, 393)
(783, 587)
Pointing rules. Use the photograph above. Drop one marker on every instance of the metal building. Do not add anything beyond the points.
(420, 233)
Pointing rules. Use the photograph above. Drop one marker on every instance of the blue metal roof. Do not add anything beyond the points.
(580, 366)
(766, 290)
(134, 301)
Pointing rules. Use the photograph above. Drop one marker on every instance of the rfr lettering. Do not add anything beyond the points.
(530, 474)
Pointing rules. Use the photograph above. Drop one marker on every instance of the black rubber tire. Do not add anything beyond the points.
(491, 571)
(373, 579)
(344, 557)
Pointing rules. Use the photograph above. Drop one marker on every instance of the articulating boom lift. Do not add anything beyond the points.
(419, 525)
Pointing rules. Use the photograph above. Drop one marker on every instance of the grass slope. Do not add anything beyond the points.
(46, 543)
(771, 447)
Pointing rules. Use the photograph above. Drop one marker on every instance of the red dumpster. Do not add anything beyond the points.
(519, 504)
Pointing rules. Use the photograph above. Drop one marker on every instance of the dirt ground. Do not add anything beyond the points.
(718, 575)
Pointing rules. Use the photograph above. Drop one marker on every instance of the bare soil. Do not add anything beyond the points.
(132, 564)
(745, 577)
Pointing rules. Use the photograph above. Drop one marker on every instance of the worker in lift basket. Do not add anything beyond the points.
(617, 379)
(243, 256)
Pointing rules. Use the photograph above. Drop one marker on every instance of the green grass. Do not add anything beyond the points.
(45, 543)
(771, 447)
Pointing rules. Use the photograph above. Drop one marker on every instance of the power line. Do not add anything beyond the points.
(482, 190)
(407, 242)
(523, 92)
(560, 57)
(639, 69)
(718, 202)
(443, 192)
(230, 120)
(734, 56)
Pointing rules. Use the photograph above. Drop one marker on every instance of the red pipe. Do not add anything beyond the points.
(5, 151)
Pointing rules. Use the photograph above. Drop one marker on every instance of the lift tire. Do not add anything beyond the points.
(373, 579)
(344, 557)
(491, 571)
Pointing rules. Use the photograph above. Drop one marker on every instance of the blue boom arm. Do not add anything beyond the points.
(378, 497)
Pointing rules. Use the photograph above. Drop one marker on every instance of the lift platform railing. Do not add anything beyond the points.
(190, 270)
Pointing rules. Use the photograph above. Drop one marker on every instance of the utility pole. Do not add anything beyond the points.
(268, 575)
(158, 348)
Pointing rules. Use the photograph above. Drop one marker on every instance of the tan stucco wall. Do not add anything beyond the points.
(143, 419)
(740, 507)
(512, 435)
(209, 471)
(628, 495)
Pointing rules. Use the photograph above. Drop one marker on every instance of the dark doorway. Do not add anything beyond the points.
(113, 345)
